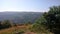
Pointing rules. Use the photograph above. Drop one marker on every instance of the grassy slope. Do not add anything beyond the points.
(15, 29)
(12, 30)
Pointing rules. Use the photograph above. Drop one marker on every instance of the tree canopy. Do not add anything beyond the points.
(53, 19)
(50, 20)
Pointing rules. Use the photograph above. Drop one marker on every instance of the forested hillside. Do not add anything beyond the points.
(20, 17)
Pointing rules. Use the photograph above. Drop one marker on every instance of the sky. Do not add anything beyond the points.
(27, 5)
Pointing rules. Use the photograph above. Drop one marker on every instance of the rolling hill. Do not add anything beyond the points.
(20, 17)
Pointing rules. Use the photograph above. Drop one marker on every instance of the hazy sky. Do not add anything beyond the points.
(27, 5)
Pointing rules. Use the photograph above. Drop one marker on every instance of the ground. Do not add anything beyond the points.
(15, 29)
(12, 30)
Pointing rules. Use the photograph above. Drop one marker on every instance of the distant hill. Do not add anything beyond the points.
(20, 17)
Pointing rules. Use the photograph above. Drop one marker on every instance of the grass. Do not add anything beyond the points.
(24, 29)
(13, 29)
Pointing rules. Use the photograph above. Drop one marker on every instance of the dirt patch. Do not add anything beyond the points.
(29, 33)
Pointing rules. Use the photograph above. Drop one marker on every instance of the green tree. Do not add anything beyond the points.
(53, 19)
(50, 20)
(6, 24)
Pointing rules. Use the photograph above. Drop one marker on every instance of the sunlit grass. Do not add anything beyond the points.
(22, 29)
(13, 29)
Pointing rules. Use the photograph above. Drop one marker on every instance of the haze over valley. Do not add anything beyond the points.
(20, 17)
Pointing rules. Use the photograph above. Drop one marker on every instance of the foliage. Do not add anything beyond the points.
(28, 23)
(50, 21)
(38, 26)
(5, 24)
(53, 19)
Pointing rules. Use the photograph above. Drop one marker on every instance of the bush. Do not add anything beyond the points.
(53, 19)
(50, 20)
(5, 24)
(39, 26)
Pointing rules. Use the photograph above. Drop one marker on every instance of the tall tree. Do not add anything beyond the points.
(53, 19)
